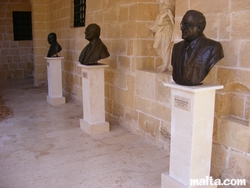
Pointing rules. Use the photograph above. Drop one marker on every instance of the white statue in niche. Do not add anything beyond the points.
(163, 28)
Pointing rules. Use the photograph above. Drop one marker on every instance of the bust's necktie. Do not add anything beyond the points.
(188, 51)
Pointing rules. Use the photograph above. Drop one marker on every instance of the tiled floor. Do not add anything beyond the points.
(42, 146)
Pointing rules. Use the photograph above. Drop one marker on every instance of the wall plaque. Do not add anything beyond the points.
(84, 74)
(182, 102)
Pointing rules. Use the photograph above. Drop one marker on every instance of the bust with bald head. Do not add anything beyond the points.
(195, 56)
(96, 49)
(54, 45)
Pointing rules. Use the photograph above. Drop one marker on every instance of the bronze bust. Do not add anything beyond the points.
(194, 57)
(54, 45)
(96, 49)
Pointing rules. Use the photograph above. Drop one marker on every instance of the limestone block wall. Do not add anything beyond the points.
(152, 110)
(16, 57)
(134, 93)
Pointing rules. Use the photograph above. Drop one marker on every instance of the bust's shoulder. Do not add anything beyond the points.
(207, 44)
(97, 42)
(179, 44)
(208, 41)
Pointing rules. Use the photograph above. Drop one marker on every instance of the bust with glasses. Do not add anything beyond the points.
(195, 56)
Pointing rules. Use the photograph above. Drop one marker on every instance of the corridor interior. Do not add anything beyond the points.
(42, 146)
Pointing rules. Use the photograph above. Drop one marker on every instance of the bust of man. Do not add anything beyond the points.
(54, 46)
(96, 49)
(194, 57)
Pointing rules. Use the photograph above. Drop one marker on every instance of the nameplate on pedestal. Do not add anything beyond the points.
(48, 64)
(84, 74)
(182, 102)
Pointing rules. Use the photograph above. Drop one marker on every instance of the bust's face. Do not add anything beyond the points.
(90, 33)
(51, 39)
(189, 28)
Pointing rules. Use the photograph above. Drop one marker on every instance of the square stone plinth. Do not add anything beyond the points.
(55, 100)
(93, 96)
(54, 75)
(192, 115)
(93, 129)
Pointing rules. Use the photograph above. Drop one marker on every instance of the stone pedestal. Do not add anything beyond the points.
(54, 73)
(93, 98)
(192, 115)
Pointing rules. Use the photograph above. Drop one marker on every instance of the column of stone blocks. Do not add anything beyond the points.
(40, 45)
(153, 104)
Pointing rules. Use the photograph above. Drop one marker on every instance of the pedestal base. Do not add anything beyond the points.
(93, 96)
(169, 182)
(55, 101)
(192, 115)
(54, 73)
(93, 129)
